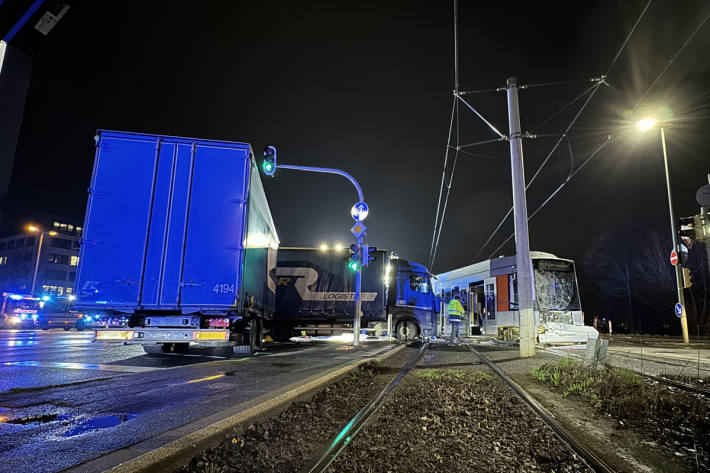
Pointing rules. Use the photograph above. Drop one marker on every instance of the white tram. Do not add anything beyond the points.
(489, 294)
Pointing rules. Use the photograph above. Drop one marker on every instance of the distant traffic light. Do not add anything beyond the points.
(355, 258)
(371, 250)
(687, 278)
(269, 164)
(368, 254)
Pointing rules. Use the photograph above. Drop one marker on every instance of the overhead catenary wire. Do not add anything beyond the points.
(595, 89)
(571, 175)
(614, 134)
(443, 177)
(557, 144)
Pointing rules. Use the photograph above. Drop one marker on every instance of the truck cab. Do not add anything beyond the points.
(411, 301)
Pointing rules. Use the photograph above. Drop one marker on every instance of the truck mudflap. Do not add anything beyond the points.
(143, 336)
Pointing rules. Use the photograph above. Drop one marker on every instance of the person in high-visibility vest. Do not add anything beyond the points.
(455, 311)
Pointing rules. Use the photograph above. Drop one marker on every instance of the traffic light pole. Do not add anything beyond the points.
(676, 248)
(520, 213)
(358, 274)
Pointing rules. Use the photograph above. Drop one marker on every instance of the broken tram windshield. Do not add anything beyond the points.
(555, 285)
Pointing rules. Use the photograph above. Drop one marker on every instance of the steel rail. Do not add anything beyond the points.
(661, 378)
(580, 449)
(321, 462)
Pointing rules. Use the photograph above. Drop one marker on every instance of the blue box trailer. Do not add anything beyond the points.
(315, 293)
(178, 243)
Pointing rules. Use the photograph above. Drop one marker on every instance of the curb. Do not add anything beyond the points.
(179, 452)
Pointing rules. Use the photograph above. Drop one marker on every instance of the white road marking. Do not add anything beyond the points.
(82, 366)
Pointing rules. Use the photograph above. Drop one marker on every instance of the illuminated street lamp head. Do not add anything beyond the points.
(338, 247)
(646, 124)
(32, 228)
(323, 247)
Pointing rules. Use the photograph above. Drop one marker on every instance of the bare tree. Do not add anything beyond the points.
(611, 267)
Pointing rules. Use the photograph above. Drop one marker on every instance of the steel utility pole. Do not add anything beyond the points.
(676, 248)
(528, 329)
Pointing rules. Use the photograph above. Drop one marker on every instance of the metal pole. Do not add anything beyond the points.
(674, 235)
(358, 301)
(23, 19)
(528, 328)
(358, 276)
(39, 254)
(456, 46)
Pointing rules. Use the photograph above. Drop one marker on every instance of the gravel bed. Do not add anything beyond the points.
(456, 419)
(287, 442)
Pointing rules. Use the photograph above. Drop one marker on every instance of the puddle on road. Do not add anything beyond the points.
(98, 423)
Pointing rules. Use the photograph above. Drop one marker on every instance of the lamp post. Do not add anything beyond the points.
(646, 124)
(36, 229)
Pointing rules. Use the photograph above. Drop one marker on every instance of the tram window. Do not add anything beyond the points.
(513, 288)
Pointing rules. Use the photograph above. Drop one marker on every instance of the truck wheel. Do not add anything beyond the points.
(80, 326)
(406, 330)
(157, 349)
(281, 331)
(66, 328)
(44, 325)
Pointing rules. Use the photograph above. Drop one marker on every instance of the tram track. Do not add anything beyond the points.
(322, 461)
(703, 390)
(594, 460)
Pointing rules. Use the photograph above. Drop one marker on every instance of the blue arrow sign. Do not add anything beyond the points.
(359, 211)
(679, 309)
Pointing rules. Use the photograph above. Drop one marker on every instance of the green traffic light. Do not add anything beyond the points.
(268, 167)
(353, 265)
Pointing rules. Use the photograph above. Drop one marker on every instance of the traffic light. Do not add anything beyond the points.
(687, 278)
(269, 164)
(368, 254)
(686, 230)
(355, 258)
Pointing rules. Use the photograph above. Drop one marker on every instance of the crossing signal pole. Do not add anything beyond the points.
(523, 263)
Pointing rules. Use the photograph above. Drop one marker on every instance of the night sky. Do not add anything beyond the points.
(366, 87)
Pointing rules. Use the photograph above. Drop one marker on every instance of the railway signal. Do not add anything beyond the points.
(269, 164)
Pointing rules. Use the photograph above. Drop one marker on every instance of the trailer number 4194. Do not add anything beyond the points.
(223, 288)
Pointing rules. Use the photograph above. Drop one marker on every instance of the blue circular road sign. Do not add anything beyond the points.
(679, 309)
(359, 211)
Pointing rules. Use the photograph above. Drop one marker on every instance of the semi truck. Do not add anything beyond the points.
(178, 244)
(315, 295)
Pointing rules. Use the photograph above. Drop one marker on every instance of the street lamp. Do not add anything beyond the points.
(323, 247)
(647, 124)
(35, 229)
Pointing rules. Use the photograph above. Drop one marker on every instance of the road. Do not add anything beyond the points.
(65, 400)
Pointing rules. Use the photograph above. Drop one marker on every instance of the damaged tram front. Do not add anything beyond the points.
(489, 294)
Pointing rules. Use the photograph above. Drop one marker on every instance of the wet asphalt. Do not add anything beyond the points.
(65, 400)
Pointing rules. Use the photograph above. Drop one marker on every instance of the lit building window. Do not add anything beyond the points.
(74, 261)
(56, 224)
(68, 290)
(70, 228)
(3, 260)
(63, 227)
